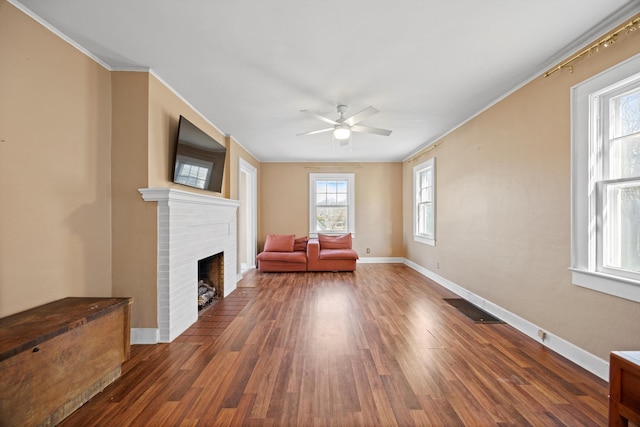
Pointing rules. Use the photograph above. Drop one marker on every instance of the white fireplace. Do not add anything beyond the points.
(191, 227)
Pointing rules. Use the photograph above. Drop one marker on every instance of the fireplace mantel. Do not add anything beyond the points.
(191, 226)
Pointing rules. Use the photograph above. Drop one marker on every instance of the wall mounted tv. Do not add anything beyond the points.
(199, 160)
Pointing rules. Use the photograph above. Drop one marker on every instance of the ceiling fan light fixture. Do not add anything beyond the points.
(341, 132)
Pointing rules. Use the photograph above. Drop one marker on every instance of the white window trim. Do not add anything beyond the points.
(583, 199)
(351, 188)
(427, 240)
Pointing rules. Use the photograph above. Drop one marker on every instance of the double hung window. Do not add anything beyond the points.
(424, 191)
(606, 182)
(618, 190)
(331, 203)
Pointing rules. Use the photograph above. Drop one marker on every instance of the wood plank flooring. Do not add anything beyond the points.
(378, 347)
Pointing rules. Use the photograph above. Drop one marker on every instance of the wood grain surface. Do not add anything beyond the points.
(378, 347)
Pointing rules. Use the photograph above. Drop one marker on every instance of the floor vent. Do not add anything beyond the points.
(473, 312)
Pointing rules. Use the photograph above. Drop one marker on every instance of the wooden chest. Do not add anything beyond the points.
(624, 388)
(55, 357)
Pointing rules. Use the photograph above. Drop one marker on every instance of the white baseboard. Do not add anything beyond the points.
(381, 260)
(145, 335)
(577, 355)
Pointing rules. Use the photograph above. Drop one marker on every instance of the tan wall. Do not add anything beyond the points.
(503, 212)
(165, 108)
(235, 152)
(134, 221)
(284, 208)
(55, 168)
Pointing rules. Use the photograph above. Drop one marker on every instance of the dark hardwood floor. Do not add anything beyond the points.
(378, 347)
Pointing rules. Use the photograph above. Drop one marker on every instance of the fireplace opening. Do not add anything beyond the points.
(210, 280)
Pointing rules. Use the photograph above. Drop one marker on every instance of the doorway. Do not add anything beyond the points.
(247, 215)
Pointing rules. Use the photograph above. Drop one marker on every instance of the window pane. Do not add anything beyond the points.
(192, 175)
(423, 179)
(321, 186)
(331, 219)
(425, 219)
(625, 110)
(429, 221)
(624, 157)
(420, 226)
(341, 186)
(321, 199)
(331, 186)
(622, 226)
(341, 199)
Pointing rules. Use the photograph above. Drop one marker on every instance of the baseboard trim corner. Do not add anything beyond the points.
(145, 335)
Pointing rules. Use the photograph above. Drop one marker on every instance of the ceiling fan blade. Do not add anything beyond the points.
(320, 117)
(357, 117)
(315, 131)
(367, 129)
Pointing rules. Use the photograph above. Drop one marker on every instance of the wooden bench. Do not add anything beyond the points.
(55, 357)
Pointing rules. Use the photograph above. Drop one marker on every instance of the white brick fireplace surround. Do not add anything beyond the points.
(191, 227)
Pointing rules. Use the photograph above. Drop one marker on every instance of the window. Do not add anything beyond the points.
(424, 196)
(331, 203)
(606, 181)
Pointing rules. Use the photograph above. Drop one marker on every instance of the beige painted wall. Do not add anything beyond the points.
(55, 168)
(165, 108)
(503, 212)
(235, 152)
(134, 222)
(284, 208)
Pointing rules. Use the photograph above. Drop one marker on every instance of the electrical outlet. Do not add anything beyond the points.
(542, 334)
(368, 250)
(438, 265)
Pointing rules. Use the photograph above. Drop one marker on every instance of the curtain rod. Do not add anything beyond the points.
(606, 41)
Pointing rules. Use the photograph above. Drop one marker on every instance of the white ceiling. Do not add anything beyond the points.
(250, 66)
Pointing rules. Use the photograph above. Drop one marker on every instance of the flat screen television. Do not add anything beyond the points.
(199, 160)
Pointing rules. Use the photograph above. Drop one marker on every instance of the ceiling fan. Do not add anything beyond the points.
(343, 126)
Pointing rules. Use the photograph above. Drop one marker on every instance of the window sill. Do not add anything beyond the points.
(314, 235)
(608, 284)
(424, 240)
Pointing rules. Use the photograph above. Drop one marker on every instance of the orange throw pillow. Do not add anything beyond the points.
(335, 242)
(279, 243)
(300, 244)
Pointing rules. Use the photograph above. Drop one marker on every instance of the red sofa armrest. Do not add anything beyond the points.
(313, 254)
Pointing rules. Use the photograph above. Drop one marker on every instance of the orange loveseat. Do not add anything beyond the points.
(284, 253)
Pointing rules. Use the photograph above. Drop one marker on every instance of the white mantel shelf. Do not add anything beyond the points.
(191, 226)
(159, 194)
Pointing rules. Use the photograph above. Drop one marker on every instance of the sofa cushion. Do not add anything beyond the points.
(337, 254)
(300, 244)
(295, 257)
(335, 242)
(279, 243)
